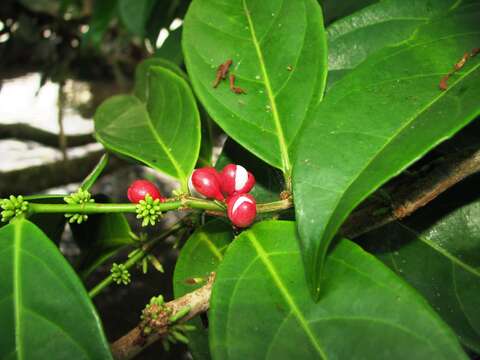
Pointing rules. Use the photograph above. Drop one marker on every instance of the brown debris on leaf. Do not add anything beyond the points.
(222, 71)
(235, 89)
(456, 67)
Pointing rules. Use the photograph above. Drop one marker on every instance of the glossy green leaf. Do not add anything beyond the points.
(438, 252)
(142, 74)
(265, 39)
(45, 312)
(163, 133)
(377, 120)
(388, 22)
(135, 14)
(268, 180)
(201, 254)
(261, 306)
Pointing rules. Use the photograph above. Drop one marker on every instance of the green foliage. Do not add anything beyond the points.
(135, 14)
(388, 22)
(167, 123)
(45, 311)
(438, 252)
(261, 305)
(282, 77)
(383, 110)
(377, 120)
(201, 255)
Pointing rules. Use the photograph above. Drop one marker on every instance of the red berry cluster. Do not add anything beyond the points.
(141, 188)
(233, 184)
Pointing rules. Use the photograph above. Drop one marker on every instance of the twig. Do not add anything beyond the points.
(36, 178)
(26, 132)
(410, 197)
(139, 255)
(135, 341)
(62, 139)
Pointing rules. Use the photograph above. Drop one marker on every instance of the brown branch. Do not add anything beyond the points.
(36, 178)
(412, 195)
(135, 341)
(26, 132)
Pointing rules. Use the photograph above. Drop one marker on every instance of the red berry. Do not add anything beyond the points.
(242, 209)
(235, 179)
(140, 188)
(205, 181)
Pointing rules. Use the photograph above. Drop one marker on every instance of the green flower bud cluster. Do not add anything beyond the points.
(149, 211)
(120, 274)
(80, 197)
(12, 207)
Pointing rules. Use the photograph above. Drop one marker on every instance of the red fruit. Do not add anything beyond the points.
(242, 209)
(205, 181)
(140, 188)
(235, 179)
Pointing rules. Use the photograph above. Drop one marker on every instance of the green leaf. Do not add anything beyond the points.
(101, 237)
(103, 13)
(388, 22)
(163, 133)
(201, 255)
(206, 146)
(142, 75)
(171, 49)
(261, 308)
(135, 14)
(268, 180)
(379, 119)
(438, 252)
(45, 311)
(264, 39)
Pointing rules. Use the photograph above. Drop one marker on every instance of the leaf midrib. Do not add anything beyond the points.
(211, 246)
(17, 292)
(263, 256)
(175, 164)
(271, 97)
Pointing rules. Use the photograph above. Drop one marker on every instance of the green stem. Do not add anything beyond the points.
(136, 258)
(185, 203)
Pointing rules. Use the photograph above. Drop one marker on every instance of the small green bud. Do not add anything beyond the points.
(80, 197)
(148, 210)
(120, 274)
(179, 314)
(13, 207)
